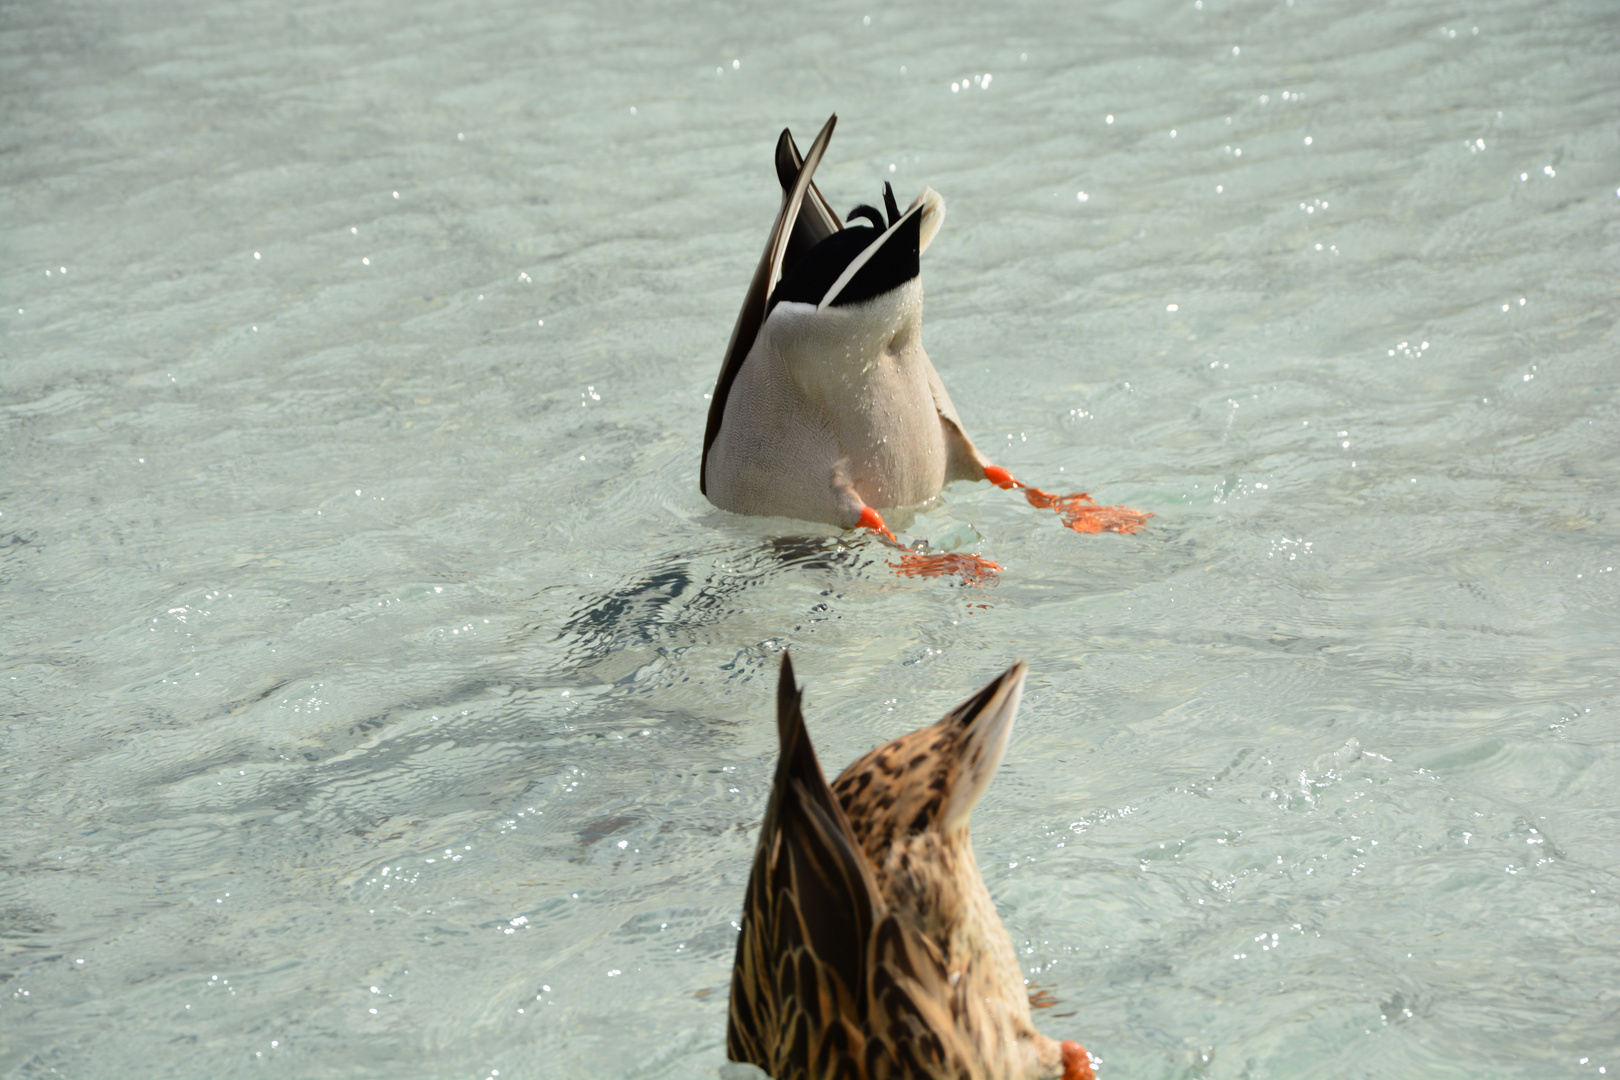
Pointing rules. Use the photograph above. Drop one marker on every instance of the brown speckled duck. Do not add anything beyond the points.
(870, 948)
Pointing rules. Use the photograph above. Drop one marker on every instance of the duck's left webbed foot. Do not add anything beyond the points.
(1079, 511)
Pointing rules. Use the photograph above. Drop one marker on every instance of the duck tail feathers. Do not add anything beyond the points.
(984, 722)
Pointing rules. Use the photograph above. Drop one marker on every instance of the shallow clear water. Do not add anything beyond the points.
(382, 698)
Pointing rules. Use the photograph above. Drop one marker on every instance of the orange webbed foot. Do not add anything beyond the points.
(972, 569)
(1082, 514)
(1079, 511)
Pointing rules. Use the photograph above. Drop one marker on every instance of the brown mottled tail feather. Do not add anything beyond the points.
(798, 990)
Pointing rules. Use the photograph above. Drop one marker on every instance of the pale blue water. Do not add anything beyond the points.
(383, 699)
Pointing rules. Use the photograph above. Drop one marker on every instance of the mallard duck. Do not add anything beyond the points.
(870, 947)
(827, 408)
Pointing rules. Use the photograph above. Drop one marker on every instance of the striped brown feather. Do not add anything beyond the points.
(801, 964)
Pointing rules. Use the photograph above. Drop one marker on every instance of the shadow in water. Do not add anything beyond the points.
(688, 591)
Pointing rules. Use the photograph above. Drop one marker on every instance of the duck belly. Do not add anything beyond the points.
(772, 455)
(892, 436)
(830, 411)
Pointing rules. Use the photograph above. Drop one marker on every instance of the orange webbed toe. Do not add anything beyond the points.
(972, 569)
(1082, 514)
(1079, 511)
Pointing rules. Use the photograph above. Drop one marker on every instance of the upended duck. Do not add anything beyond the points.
(827, 408)
(869, 946)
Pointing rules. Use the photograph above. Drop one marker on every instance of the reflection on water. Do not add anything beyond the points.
(384, 697)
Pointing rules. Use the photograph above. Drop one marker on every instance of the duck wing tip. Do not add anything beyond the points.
(798, 756)
(985, 723)
(791, 220)
(811, 898)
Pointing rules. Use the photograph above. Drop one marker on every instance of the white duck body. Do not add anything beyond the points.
(836, 408)
(827, 403)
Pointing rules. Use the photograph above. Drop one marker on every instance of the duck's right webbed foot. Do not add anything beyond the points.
(972, 569)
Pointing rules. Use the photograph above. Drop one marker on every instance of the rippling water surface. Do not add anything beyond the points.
(382, 697)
